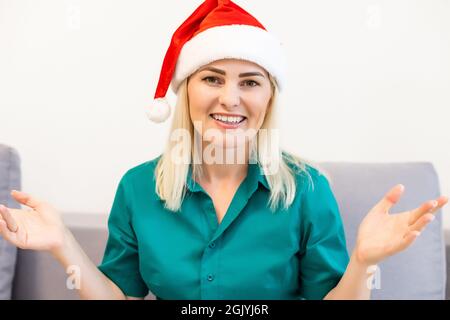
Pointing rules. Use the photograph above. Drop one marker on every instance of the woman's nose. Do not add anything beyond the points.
(230, 96)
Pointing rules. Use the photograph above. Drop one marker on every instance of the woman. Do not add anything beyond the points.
(223, 213)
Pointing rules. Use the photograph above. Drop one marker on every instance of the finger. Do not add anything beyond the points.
(5, 233)
(408, 239)
(431, 206)
(8, 218)
(26, 199)
(422, 222)
(427, 207)
(390, 198)
(442, 201)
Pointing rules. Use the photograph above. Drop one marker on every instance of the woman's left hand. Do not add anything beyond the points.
(382, 234)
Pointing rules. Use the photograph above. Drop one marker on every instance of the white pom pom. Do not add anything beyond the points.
(159, 110)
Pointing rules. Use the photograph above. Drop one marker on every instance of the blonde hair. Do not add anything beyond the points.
(171, 177)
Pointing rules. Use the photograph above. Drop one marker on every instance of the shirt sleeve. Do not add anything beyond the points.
(323, 254)
(121, 258)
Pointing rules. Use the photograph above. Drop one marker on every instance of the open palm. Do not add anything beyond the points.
(38, 228)
(382, 234)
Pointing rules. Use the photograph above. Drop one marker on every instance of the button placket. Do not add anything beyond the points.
(209, 269)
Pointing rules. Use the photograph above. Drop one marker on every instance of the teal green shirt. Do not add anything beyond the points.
(254, 253)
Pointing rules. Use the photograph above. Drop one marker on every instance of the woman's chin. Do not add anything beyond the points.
(229, 142)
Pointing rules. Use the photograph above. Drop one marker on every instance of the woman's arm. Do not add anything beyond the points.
(93, 284)
(355, 283)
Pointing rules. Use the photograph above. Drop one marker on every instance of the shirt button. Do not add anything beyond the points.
(210, 277)
(212, 245)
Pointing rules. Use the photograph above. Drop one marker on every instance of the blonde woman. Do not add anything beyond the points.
(223, 213)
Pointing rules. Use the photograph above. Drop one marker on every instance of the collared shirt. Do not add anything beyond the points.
(254, 253)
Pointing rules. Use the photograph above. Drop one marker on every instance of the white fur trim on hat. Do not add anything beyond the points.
(159, 111)
(231, 42)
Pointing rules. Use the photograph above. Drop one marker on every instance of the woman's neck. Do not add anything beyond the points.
(229, 169)
(216, 173)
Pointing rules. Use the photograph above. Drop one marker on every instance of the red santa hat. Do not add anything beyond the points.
(218, 29)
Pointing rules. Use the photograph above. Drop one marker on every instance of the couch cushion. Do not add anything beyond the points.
(10, 178)
(419, 272)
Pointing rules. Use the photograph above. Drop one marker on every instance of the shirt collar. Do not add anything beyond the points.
(191, 184)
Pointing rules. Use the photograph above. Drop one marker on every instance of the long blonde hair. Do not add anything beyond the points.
(171, 177)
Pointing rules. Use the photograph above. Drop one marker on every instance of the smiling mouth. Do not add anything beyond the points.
(230, 120)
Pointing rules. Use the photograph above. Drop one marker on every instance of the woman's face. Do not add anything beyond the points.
(228, 100)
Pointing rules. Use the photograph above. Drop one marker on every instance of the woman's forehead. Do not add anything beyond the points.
(237, 65)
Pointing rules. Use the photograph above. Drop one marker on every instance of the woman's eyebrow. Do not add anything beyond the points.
(222, 72)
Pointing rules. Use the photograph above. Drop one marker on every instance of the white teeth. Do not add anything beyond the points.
(227, 119)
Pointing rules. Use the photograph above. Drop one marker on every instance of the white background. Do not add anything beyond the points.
(369, 81)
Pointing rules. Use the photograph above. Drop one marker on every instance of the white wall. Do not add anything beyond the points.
(369, 81)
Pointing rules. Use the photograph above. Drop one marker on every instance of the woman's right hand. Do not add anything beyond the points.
(40, 228)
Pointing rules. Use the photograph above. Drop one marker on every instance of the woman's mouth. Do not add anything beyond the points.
(228, 121)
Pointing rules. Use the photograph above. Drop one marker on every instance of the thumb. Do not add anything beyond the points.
(390, 198)
(26, 199)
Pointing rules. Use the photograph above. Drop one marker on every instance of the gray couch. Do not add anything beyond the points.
(420, 272)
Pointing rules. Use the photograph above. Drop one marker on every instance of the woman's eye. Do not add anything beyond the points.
(215, 80)
(211, 80)
(251, 83)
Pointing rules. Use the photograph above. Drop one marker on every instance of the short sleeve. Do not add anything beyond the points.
(121, 258)
(323, 257)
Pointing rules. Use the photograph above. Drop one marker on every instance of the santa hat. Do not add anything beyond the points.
(218, 29)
